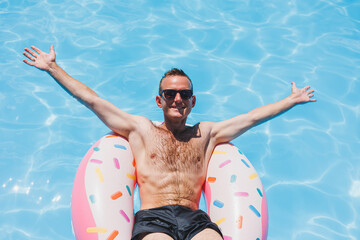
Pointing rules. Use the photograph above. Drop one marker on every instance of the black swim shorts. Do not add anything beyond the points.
(181, 223)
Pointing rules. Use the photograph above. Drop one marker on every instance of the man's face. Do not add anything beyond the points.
(177, 108)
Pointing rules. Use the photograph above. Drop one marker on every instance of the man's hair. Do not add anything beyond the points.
(175, 72)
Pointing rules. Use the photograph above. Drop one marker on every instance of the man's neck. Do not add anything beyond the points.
(175, 127)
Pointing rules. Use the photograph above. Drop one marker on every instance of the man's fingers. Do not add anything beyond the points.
(36, 49)
(28, 62)
(31, 52)
(310, 97)
(310, 91)
(29, 56)
(52, 51)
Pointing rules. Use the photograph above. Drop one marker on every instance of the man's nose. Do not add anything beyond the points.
(177, 97)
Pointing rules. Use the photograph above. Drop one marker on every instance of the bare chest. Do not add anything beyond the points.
(169, 154)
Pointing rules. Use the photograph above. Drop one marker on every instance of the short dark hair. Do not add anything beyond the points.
(174, 72)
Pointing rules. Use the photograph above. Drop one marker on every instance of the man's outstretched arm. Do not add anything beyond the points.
(227, 130)
(116, 119)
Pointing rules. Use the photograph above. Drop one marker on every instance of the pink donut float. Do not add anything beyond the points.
(102, 197)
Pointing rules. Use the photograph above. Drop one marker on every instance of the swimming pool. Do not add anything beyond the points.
(239, 54)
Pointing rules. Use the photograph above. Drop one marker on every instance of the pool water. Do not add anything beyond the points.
(239, 55)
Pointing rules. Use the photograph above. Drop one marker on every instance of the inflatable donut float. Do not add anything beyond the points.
(102, 198)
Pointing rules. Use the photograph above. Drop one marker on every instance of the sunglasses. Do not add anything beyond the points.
(170, 94)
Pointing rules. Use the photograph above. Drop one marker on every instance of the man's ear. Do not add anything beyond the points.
(158, 101)
(193, 101)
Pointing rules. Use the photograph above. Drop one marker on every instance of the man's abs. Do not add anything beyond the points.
(162, 189)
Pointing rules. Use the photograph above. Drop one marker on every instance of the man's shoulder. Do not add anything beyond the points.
(142, 122)
(205, 124)
(141, 119)
(204, 127)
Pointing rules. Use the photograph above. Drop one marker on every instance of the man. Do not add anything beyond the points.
(171, 159)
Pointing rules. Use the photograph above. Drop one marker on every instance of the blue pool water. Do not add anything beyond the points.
(240, 55)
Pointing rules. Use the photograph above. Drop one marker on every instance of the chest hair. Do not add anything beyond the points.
(171, 154)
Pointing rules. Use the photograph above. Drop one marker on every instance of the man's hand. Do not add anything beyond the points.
(40, 59)
(302, 95)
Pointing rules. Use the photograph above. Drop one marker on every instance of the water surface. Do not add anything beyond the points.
(239, 54)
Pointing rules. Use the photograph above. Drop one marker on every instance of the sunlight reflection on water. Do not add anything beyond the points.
(239, 54)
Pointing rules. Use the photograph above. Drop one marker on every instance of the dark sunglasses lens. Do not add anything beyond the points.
(169, 94)
(185, 94)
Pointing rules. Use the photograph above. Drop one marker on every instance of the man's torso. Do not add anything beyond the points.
(170, 169)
